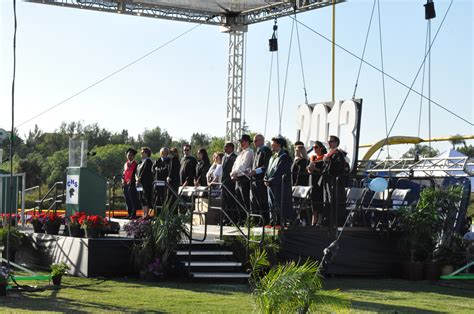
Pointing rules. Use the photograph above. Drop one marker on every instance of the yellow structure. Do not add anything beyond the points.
(395, 140)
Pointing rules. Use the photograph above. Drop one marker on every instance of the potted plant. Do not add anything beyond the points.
(9, 219)
(4, 275)
(154, 271)
(52, 223)
(416, 240)
(93, 225)
(37, 221)
(138, 228)
(16, 240)
(74, 225)
(422, 229)
(443, 205)
(57, 272)
(450, 256)
(168, 229)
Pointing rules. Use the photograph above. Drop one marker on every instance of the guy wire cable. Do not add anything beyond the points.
(301, 63)
(112, 74)
(416, 76)
(268, 95)
(286, 72)
(383, 79)
(363, 50)
(387, 74)
(422, 85)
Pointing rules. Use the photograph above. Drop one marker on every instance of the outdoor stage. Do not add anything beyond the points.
(362, 251)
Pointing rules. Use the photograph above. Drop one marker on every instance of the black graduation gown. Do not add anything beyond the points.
(280, 184)
(259, 190)
(187, 172)
(298, 172)
(201, 170)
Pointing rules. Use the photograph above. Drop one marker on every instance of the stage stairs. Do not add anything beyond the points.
(210, 260)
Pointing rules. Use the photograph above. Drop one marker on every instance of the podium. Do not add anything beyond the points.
(85, 189)
(85, 192)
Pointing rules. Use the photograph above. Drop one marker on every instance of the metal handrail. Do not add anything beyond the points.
(248, 213)
(112, 186)
(45, 198)
(192, 212)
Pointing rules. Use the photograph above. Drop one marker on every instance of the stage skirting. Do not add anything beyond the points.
(361, 251)
(109, 256)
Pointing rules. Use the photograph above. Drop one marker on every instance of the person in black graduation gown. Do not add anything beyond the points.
(259, 199)
(299, 174)
(187, 171)
(278, 179)
(228, 202)
(315, 169)
(161, 169)
(335, 166)
(202, 168)
(145, 179)
(173, 176)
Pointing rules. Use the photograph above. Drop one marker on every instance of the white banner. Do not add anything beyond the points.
(72, 189)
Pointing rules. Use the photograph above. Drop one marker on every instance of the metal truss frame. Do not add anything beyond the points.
(235, 71)
(436, 167)
(229, 19)
(138, 9)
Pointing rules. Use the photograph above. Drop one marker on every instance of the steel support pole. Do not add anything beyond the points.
(235, 85)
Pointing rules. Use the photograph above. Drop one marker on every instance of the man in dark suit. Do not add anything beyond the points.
(259, 197)
(187, 171)
(278, 179)
(228, 202)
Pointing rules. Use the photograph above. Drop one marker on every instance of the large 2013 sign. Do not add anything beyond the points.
(316, 122)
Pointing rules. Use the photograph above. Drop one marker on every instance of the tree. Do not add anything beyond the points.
(121, 138)
(55, 167)
(422, 151)
(96, 136)
(199, 140)
(457, 140)
(216, 145)
(156, 139)
(467, 150)
(109, 160)
(52, 142)
(18, 145)
(32, 166)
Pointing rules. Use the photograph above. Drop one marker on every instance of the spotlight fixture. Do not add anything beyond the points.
(273, 42)
(430, 12)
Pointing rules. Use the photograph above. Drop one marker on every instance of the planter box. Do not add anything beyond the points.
(109, 256)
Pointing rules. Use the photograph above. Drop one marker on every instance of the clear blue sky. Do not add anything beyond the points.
(182, 88)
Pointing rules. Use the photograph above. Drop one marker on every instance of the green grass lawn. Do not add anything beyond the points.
(81, 295)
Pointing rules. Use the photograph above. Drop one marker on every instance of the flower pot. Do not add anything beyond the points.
(432, 271)
(447, 270)
(52, 229)
(412, 271)
(57, 280)
(76, 231)
(3, 289)
(38, 227)
(93, 233)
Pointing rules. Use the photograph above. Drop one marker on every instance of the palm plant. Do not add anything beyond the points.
(291, 288)
(168, 229)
